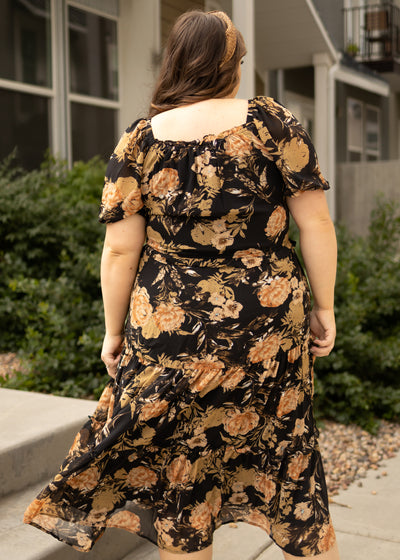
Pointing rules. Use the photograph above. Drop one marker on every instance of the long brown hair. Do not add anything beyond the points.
(191, 69)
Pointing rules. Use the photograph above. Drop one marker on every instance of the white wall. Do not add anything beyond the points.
(139, 46)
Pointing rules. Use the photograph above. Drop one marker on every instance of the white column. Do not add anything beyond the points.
(243, 18)
(59, 104)
(139, 47)
(324, 135)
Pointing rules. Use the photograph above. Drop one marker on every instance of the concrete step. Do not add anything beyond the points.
(24, 542)
(36, 431)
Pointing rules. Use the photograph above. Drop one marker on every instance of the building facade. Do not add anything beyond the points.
(75, 73)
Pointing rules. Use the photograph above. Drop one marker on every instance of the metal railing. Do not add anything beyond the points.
(372, 32)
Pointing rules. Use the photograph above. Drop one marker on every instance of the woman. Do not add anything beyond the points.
(208, 416)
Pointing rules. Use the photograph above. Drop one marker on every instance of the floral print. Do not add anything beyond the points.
(209, 419)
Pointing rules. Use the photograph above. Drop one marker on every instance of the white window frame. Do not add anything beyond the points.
(362, 149)
(77, 97)
(369, 152)
(358, 149)
(43, 91)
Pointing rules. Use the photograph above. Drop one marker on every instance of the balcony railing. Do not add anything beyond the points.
(372, 35)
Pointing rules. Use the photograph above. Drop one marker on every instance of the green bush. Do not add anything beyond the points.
(50, 304)
(360, 380)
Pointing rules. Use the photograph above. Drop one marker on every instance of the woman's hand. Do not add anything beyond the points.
(111, 352)
(323, 331)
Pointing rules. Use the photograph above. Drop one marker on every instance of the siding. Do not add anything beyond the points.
(330, 12)
(358, 185)
(171, 10)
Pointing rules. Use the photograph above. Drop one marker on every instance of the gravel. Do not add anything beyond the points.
(348, 451)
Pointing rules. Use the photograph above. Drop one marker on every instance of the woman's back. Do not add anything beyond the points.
(195, 121)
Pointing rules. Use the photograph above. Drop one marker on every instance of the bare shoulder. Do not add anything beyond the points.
(210, 116)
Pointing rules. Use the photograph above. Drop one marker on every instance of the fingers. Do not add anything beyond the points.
(322, 347)
(111, 364)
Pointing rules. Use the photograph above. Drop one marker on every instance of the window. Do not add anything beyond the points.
(372, 133)
(58, 78)
(93, 83)
(363, 131)
(25, 79)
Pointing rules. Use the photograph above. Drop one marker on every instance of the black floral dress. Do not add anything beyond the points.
(210, 417)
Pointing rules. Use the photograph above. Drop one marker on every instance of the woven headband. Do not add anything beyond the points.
(230, 36)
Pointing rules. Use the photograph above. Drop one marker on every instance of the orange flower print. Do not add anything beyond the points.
(264, 349)
(141, 308)
(259, 519)
(204, 371)
(164, 182)
(33, 509)
(112, 196)
(178, 471)
(240, 423)
(288, 402)
(274, 293)
(132, 203)
(169, 317)
(86, 480)
(125, 520)
(276, 222)
(250, 257)
(266, 486)
(153, 409)
(200, 518)
(141, 477)
(327, 537)
(297, 465)
(232, 377)
(237, 145)
(303, 511)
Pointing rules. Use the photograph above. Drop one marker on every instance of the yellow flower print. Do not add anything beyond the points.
(295, 154)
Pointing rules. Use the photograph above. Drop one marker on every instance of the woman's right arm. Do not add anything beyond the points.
(318, 247)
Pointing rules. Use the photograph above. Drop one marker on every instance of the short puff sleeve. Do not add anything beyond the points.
(291, 148)
(121, 193)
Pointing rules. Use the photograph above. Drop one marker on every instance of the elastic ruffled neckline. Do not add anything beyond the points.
(207, 138)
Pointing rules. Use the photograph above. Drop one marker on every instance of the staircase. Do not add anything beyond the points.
(36, 432)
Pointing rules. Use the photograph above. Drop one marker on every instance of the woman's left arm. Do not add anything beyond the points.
(121, 253)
